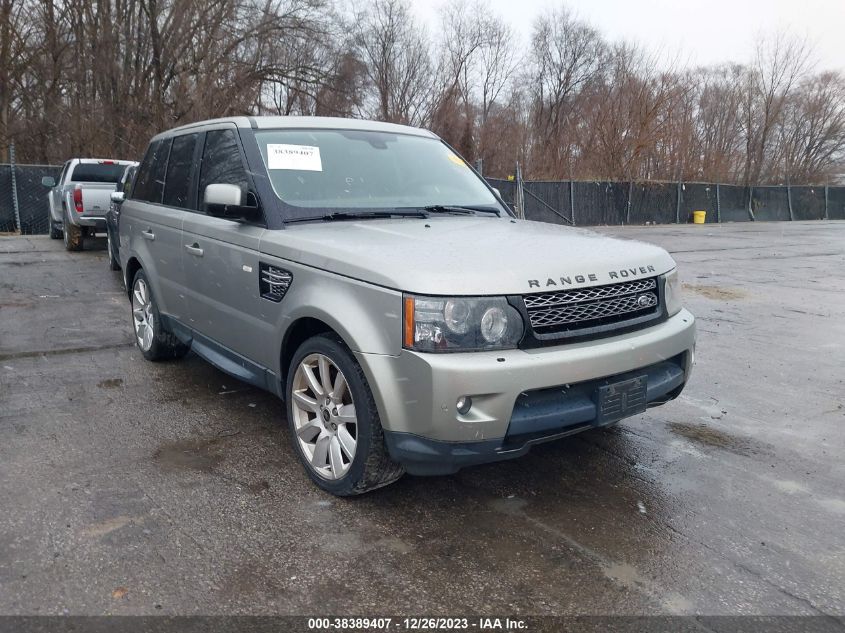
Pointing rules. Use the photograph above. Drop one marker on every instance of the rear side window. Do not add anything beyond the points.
(221, 163)
(179, 167)
(97, 172)
(149, 185)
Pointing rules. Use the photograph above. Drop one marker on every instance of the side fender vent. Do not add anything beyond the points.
(273, 282)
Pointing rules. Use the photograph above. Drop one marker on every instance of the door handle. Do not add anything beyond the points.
(148, 235)
(194, 249)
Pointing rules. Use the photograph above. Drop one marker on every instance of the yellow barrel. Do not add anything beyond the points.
(698, 217)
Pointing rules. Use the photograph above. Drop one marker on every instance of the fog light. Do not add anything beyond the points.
(464, 404)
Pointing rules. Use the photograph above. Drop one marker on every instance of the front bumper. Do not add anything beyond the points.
(416, 393)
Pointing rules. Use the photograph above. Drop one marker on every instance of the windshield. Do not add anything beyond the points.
(318, 172)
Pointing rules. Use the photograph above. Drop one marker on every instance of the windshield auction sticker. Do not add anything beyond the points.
(299, 157)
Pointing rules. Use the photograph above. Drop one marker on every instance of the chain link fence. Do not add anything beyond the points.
(23, 199)
(560, 202)
(616, 203)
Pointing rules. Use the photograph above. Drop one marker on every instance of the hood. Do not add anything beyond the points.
(454, 255)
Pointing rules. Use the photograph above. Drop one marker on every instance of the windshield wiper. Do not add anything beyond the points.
(457, 208)
(362, 215)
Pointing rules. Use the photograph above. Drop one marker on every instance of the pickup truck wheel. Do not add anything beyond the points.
(73, 237)
(154, 341)
(55, 230)
(333, 420)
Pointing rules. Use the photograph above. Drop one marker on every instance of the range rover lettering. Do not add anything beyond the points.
(366, 275)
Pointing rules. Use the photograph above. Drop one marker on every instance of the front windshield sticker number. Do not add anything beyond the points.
(457, 160)
(298, 157)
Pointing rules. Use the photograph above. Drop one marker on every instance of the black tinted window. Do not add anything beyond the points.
(221, 163)
(149, 184)
(97, 172)
(179, 166)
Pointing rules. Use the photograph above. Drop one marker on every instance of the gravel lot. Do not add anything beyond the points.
(129, 487)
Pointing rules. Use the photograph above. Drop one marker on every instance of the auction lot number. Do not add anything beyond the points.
(414, 624)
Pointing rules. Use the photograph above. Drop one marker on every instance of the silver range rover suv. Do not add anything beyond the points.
(366, 275)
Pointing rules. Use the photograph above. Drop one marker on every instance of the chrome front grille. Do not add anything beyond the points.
(588, 294)
(569, 311)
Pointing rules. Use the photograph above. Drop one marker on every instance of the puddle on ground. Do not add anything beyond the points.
(201, 454)
(709, 436)
(110, 383)
(718, 293)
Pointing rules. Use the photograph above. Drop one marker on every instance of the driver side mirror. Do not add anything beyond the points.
(48, 181)
(226, 201)
(117, 197)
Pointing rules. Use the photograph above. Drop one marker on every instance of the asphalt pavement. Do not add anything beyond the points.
(130, 487)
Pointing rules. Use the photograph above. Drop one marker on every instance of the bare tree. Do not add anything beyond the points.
(812, 134)
(718, 124)
(16, 34)
(779, 63)
(394, 52)
(567, 55)
(100, 77)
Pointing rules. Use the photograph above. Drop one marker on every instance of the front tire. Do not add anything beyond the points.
(55, 228)
(153, 339)
(333, 420)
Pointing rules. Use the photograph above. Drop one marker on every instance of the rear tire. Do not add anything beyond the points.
(73, 237)
(152, 338)
(316, 414)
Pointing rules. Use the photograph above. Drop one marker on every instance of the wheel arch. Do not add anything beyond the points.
(132, 267)
(297, 333)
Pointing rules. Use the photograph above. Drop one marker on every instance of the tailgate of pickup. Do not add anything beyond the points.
(96, 198)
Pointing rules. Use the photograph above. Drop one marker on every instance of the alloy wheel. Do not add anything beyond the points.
(324, 416)
(142, 314)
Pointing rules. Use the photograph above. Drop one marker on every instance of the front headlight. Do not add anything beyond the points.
(460, 324)
(672, 291)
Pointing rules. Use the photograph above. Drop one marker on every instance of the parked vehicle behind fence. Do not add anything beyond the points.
(120, 193)
(364, 273)
(78, 202)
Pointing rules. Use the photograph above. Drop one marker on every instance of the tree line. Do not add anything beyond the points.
(100, 77)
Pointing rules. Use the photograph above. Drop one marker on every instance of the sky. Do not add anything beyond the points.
(690, 32)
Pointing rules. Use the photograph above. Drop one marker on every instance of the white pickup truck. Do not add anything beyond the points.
(79, 201)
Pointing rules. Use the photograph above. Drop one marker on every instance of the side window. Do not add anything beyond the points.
(178, 182)
(130, 180)
(149, 185)
(221, 163)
